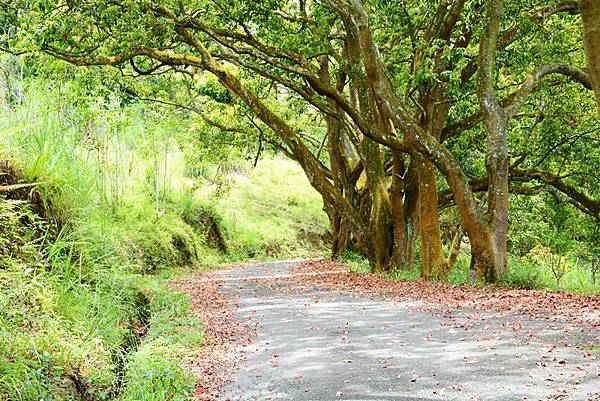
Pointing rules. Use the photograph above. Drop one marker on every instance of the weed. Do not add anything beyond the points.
(413, 274)
(460, 273)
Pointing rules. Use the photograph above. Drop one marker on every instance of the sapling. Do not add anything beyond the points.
(595, 268)
(558, 265)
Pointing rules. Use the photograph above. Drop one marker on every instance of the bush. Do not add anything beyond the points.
(460, 273)
(357, 262)
(153, 375)
(283, 219)
(522, 273)
(155, 371)
(205, 220)
(161, 244)
(73, 303)
(413, 274)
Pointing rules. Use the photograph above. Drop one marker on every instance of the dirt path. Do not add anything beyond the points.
(314, 343)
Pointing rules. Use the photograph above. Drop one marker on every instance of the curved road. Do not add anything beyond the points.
(317, 344)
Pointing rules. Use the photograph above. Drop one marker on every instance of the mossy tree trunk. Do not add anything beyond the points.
(590, 14)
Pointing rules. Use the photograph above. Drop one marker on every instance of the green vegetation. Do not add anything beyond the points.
(403, 115)
(71, 326)
(266, 211)
(533, 271)
(86, 250)
(80, 320)
(439, 140)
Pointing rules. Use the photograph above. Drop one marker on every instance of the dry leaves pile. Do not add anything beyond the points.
(574, 308)
(224, 335)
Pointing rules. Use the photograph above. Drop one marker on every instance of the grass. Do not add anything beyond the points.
(84, 310)
(282, 219)
(529, 272)
(154, 371)
(356, 262)
(85, 314)
(459, 274)
(532, 273)
(65, 325)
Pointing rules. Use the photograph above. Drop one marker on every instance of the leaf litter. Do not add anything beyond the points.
(225, 335)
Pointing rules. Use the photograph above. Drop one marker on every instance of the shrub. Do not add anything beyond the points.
(357, 262)
(155, 245)
(154, 375)
(522, 273)
(413, 274)
(460, 273)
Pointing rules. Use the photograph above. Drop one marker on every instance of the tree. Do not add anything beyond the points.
(590, 14)
(396, 85)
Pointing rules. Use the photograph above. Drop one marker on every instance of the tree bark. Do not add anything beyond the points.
(437, 106)
(411, 203)
(590, 13)
(432, 259)
(455, 247)
(399, 222)
(380, 216)
(489, 247)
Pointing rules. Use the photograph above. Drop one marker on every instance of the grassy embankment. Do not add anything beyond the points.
(85, 253)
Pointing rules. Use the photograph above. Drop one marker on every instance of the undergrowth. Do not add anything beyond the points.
(77, 327)
(530, 272)
(282, 219)
(84, 254)
(110, 216)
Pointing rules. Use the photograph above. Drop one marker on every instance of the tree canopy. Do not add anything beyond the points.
(405, 115)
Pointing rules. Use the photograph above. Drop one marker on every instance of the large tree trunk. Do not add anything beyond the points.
(590, 13)
(489, 248)
(432, 257)
(433, 263)
(380, 216)
(340, 234)
(399, 222)
(340, 229)
(455, 247)
(488, 259)
(498, 206)
(411, 207)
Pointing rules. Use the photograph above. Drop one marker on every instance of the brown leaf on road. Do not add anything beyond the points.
(583, 310)
(223, 335)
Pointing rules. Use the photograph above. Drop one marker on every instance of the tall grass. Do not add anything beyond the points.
(74, 296)
(266, 211)
(82, 281)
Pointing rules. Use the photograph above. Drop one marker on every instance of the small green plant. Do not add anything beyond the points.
(523, 273)
(594, 269)
(558, 266)
(459, 275)
(413, 274)
(154, 371)
(357, 262)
